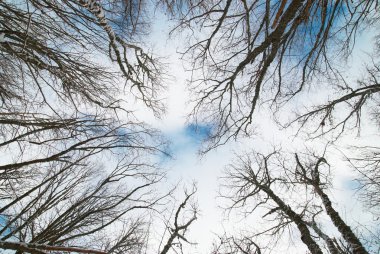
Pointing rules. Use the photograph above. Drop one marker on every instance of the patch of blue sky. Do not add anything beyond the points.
(351, 184)
(308, 31)
(198, 132)
(3, 223)
(186, 140)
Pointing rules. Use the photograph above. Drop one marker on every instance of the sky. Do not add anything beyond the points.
(187, 166)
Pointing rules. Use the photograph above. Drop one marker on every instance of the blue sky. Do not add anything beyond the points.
(3, 222)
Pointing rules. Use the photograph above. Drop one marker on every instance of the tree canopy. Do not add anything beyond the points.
(78, 167)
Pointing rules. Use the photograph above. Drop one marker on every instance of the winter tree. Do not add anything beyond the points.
(76, 163)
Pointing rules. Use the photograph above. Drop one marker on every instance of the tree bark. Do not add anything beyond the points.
(44, 249)
(342, 227)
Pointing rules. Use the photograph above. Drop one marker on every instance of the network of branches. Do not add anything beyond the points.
(247, 53)
(77, 171)
(78, 168)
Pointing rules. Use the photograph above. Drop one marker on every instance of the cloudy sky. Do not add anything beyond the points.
(186, 165)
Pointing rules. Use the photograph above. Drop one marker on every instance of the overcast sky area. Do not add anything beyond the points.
(186, 138)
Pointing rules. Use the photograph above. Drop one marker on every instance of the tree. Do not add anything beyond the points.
(178, 230)
(250, 52)
(53, 45)
(290, 196)
(358, 100)
(230, 244)
(76, 164)
(367, 165)
(357, 107)
(245, 54)
(75, 205)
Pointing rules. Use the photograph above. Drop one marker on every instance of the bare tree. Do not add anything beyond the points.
(345, 112)
(72, 204)
(50, 46)
(76, 164)
(359, 106)
(178, 230)
(289, 196)
(230, 244)
(247, 52)
(367, 163)
(309, 175)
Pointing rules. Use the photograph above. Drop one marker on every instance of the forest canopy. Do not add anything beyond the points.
(81, 169)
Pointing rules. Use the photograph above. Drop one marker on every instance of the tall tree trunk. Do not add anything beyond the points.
(342, 227)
